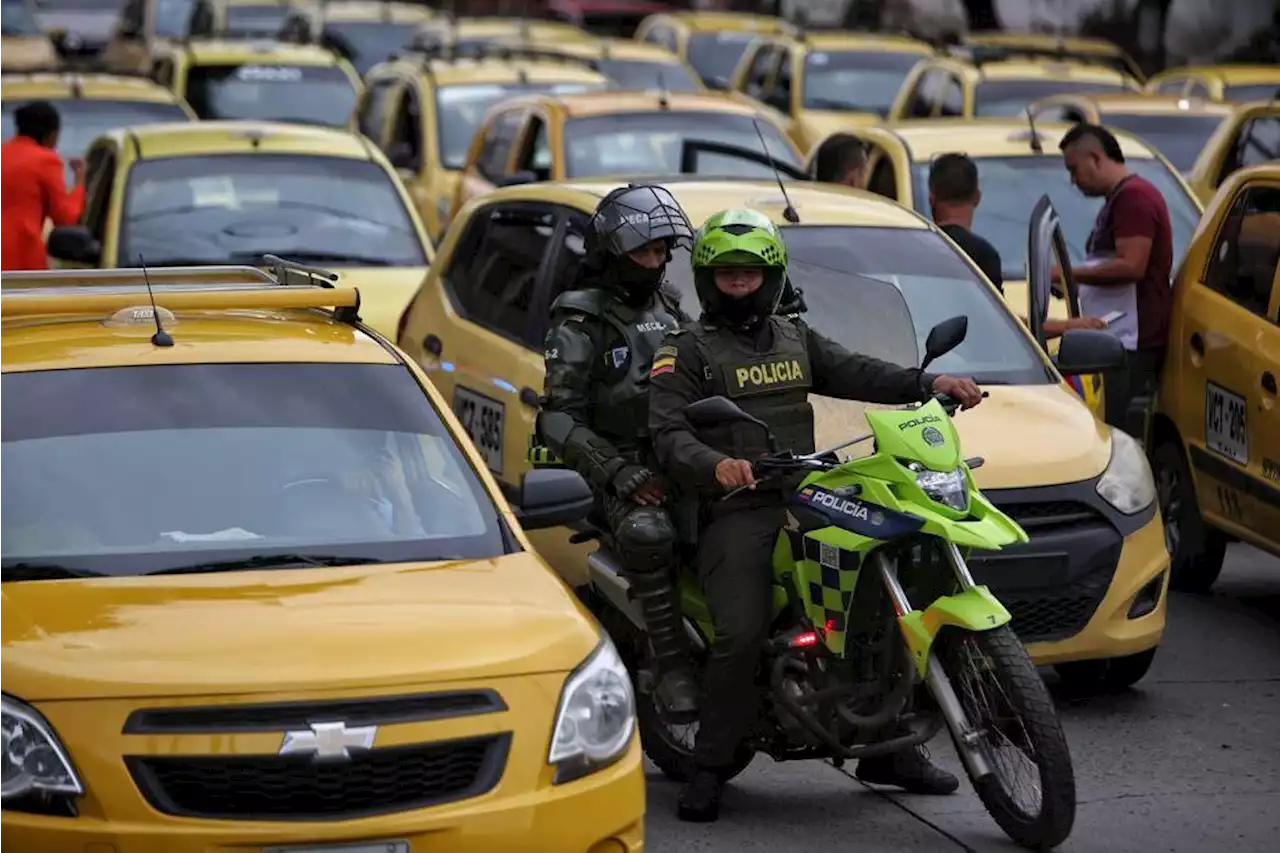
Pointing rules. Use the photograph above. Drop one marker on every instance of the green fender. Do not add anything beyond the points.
(974, 609)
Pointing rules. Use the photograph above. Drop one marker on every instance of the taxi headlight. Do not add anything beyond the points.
(33, 760)
(596, 716)
(1127, 483)
(948, 488)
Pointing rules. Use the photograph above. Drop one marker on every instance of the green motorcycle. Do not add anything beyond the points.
(852, 653)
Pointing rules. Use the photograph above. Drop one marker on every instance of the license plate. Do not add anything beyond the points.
(1225, 428)
(482, 417)
(363, 847)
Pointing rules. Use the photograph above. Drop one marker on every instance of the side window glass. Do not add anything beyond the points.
(1260, 141)
(922, 99)
(131, 19)
(162, 72)
(663, 37)
(758, 72)
(883, 180)
(100, 170)
(494, 155)
(1197, 89)
(952, 96)
(1171, 87)
(494, 273)
(373, 108)
(780, 97)
(536, 154)
(405, 150)
(201, 21)
(570, 250)
(1243, 264)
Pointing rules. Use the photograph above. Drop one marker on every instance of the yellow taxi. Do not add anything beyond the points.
(145, 25)
(629, 64)
(260, 79)
(424, 107)
(950, 88)
(23, 45)
(711, 42)
(1227, 82)
(1215, 437)
(259, 593)
(232, 192)
(1094, 51)
(470, 32)
(90, 104)
(827, 81)
(366, 32)
(1091, 584)
(554, 137)
(1249, 137)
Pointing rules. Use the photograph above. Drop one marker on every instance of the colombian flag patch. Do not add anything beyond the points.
(664, 364)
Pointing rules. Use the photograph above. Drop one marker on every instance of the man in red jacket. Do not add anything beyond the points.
(32, 187)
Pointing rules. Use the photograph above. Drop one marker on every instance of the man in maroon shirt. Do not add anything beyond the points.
(1130, 259)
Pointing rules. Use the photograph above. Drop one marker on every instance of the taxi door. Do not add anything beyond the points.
(489, 160)
(1229, 363)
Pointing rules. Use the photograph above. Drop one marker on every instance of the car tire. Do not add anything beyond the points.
(1110, 675)
(1196, 550)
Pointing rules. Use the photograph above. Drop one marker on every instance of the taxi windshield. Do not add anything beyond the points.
(302, 94)
(1180, 138)
(861, 80)
(233, 208)
(854, 280)
(140, 469)
(652, 143)
(366, 43)
(648, 74)
(255, 20)
(715, 55)
(1011, 186)
(459, 110)
(1011, 97)
(17, 20)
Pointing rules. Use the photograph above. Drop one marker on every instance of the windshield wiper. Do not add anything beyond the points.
(44, 572)
(267, 561)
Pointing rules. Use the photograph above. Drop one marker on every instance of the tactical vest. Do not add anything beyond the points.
(773, 386)
(620, 400)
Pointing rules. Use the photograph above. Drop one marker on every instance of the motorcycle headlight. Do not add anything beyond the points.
(948, 488)
(596, 716)
(1127, 483)
(32, 760)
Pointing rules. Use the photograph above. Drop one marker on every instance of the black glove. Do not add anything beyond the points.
(630, 478)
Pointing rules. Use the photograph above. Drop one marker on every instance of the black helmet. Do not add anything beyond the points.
(625, 220)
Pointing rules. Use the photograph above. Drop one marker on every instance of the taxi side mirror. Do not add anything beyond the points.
(553, 497)
(74, 243)
(1083, 351)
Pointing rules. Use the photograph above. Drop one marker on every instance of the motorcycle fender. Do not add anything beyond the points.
(606, 577)
(974, 609)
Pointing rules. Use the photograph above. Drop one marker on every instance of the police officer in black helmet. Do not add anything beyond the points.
(604, 333)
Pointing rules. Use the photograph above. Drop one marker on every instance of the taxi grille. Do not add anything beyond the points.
(276, 788)
(1055, 613)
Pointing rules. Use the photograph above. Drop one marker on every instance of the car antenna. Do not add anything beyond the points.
(663, 101)
(1035, 137)
(161, 338)
(789, 213)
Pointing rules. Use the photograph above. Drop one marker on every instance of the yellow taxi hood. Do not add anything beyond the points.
(1030, 435)
(384, 292)
(292, 630)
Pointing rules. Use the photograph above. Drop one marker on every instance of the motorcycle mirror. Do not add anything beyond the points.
(554, 427)
(943, 338)
(716, 410)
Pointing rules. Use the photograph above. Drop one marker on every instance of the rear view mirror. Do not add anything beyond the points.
(74, 243)
(943, 338)
(716, 410)
(552, 497)
(1083, 351)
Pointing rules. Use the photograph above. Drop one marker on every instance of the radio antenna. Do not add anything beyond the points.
(1036, 146)
(789, 213)
(161, 338)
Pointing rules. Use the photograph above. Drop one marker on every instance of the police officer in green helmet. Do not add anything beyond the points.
(768, 364)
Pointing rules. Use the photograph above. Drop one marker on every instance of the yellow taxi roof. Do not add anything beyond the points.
(1049, 69)
(835, 40)
(927, 138)
(1044, 41)
(704, 22)
(614, 102)
(461, 71)
(231, 52)
(1132, 103)
(201, 138)
(66, 85)
(388, 11)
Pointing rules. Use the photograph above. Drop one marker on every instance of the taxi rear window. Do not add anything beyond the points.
(255, 20)
(18, 20)
(132, 470)
(303, 94)
(862, 80)
(1010, 97)
(366, 43)
(643, 74)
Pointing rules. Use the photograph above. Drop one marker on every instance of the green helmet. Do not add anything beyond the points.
(739, 238)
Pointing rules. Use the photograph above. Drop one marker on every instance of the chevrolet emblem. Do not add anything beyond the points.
(328, 741)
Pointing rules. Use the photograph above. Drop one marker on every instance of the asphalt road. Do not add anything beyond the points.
(1187, 760)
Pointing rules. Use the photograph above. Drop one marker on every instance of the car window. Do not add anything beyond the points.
(1242, 266)
(255, 20)
(651, 143)
(952, 98)
(493, 275)
(373, 108)
(863, 80)
(405, 148)
(1259, 142)
(841, 269)
(173, 17)
(1254, 92)
(366, 43)
(779, 96)
(663, 36)
(495, 153)
(17, 20)
(1011, 186)
(1172, 86)
(461, 108)
(763, 61)
(715, 55)
(100, 180)
(243, 460)
(1180, 138)
(233, 208)
(925, 94)
(1011, 97)
(536, 154)
(303, 94)
(646, 74)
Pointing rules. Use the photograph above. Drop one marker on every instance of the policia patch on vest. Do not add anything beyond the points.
(765, 377)
(664, 361)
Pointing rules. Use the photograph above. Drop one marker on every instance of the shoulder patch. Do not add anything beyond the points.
(664, 361)
(665, 350)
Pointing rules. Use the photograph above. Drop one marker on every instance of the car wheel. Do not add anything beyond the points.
(1111, 675)
(1196, 550)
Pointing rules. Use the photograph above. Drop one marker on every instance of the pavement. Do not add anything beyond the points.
(1187, 761)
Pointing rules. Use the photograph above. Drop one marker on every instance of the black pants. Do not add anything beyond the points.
(1137, 378)
(734, 564)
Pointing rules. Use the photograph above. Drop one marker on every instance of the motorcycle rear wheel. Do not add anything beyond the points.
(672, 753)
(1007, 704)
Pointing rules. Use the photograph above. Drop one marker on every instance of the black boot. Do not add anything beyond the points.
(700, 797)
(909, 769)
(674, 686)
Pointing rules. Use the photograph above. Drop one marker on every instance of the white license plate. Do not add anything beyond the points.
(482, 417)
(1226, 429)
(363, 847)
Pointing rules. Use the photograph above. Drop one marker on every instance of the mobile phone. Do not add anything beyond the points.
(1112, 317)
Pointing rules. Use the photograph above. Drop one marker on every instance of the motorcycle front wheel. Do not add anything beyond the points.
(1031, 791)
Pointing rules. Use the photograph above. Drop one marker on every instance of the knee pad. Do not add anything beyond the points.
(647, 539)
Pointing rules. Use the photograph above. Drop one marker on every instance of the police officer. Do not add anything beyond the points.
(767, 364)
(604, 333)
